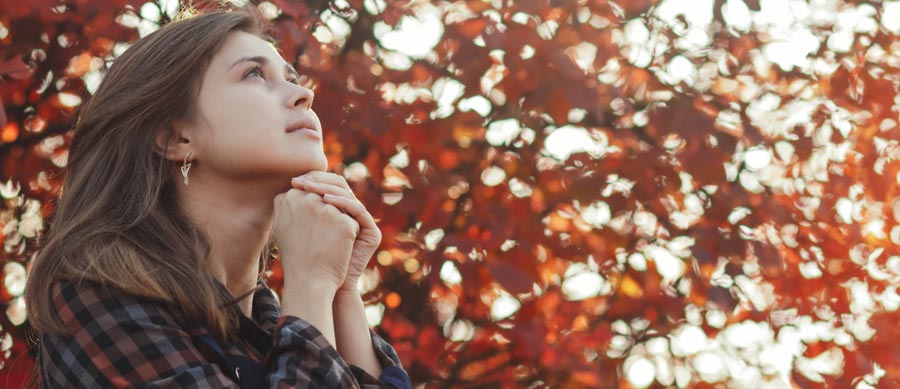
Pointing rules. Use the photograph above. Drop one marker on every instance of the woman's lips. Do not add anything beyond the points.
(309, 132)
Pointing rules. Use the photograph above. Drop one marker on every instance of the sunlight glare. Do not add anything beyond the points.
(415, 37)
(639, 371)
(567, 140)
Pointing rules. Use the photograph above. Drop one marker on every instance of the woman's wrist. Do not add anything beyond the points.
(344, 295)
(353, 332)
(348, 303)
(311, 300)
(310, 286)
(350, 286)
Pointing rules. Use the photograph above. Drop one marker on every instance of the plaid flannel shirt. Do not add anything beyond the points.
(123, 341)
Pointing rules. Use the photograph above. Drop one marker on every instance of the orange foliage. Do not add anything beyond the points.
(749, 193)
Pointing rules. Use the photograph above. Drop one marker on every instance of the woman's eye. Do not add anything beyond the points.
(255, 69)
(258, 70)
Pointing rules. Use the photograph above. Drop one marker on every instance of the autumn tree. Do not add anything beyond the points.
(572, 193)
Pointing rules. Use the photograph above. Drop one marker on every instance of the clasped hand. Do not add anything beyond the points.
(331, 216)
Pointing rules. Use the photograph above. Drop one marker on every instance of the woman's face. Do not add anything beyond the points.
(250, 107)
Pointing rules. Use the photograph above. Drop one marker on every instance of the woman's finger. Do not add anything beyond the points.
(323, 189)
(325, 178)
(342, 199)
(353, 208)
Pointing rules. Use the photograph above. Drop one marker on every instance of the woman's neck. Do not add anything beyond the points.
(237, 223)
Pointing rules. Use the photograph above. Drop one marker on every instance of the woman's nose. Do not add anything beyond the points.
(302, 97)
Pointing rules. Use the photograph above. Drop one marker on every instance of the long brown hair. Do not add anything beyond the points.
(117, 222)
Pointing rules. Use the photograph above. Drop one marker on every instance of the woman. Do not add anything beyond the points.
(183, 169)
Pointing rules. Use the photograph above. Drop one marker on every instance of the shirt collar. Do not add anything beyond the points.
(266, 306)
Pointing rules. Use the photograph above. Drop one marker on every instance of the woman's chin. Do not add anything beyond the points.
(301, 169)
(320, 165)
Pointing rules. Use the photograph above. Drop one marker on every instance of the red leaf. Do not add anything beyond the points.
(706, 166)
(296, 9)
(511, 277)
(769, 258)
(2, 113)
(528, 339)
(478, 6)
(722, 299)
(472, 27)
(16, 68)
(558, 106)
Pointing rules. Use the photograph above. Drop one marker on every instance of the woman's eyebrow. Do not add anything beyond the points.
(262, 61)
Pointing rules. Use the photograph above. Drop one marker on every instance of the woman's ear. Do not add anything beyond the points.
(174, 142)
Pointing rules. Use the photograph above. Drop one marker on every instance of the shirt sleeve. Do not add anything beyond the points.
(120, 341)
(292, 332)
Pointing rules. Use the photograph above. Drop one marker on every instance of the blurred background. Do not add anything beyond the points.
(572, 193)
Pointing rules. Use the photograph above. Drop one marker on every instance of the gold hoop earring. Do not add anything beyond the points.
(185, 166)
